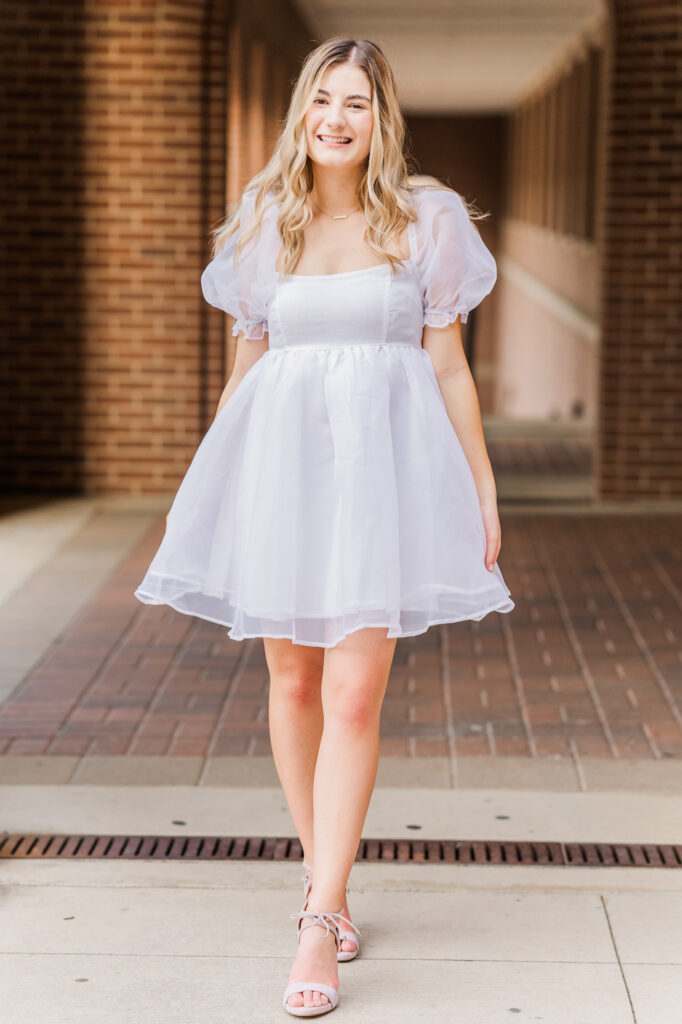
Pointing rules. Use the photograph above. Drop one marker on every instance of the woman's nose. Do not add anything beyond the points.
(335, 118)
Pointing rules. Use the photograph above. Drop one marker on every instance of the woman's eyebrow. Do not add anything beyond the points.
(355, 96)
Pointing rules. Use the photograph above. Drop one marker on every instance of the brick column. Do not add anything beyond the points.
(236, 161)
(116, 147)
(640, 455)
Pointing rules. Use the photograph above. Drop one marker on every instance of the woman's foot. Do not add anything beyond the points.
(315, 958)
(346, 945)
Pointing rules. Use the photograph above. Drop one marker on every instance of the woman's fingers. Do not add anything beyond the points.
(493, 533)
(492, 550)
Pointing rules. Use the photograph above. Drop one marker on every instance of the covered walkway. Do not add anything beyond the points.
(134, 125)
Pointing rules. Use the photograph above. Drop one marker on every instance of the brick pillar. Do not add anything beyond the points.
(279, 100)
(255, 125)
(639, 451)
(117, 152)
(236, 175)
(118, 156)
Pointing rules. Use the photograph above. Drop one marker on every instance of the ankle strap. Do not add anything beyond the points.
(350, 886)
(327, 919)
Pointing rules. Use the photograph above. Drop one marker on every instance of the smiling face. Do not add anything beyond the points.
(339, 120)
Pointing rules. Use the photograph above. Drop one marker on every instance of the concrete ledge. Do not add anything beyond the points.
(609, 817)
(34, 771)
(640, 775)
(138, 771)
(544, 773)
(541, 774)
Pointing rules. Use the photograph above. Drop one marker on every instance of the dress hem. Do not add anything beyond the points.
(194, 586)
(503, 606)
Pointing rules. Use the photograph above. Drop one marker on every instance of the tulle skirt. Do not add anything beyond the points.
(330, 493)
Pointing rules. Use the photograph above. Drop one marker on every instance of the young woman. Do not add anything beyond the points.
(343, 496)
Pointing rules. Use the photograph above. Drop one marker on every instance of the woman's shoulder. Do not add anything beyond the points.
(258, 222)
(431, 200)
(269, 201)
(442, 221)
(247, 203)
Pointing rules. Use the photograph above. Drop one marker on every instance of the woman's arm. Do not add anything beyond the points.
(444, 346)
(248, 352)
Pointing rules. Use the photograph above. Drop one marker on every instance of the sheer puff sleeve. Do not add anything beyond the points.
(243, 288)
(456, 268)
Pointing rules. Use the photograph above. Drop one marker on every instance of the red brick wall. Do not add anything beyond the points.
(639, 451)
(124, 136)
(113, 158)
(42, 316)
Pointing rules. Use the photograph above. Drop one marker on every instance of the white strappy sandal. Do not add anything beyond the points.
(351, 934)
(328, 921)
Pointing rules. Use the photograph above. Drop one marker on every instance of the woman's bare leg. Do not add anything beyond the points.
(354, 682)
(295, 721)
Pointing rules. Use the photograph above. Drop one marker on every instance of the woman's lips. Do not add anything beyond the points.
(338, 140)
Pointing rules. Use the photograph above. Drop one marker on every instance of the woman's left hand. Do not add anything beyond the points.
(493, 531)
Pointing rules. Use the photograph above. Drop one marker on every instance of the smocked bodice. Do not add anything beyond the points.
(373, 306)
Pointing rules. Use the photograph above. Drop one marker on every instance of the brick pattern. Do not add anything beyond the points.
(589, 663)
(537, 457)
(641, 383)
(113, 165)
(127, 128)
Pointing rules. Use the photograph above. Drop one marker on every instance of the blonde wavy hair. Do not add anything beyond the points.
(287, 178)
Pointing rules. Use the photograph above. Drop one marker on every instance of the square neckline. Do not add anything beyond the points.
(404, 264)
(340, 273)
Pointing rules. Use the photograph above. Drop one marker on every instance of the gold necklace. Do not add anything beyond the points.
(340, 216)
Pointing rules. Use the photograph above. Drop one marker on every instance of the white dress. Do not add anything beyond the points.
(331, 492)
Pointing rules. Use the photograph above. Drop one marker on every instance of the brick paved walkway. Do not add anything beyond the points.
(588, 664)
(566, 456)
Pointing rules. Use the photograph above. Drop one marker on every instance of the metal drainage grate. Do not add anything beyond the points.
(436, 851)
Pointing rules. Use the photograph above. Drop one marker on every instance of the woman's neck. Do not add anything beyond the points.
(336, 192)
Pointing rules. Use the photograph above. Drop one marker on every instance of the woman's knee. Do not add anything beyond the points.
(295, 671)
(298, 688)
(354, 706)
(356, 677)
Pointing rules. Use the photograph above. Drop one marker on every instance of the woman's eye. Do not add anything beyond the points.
(357, 106)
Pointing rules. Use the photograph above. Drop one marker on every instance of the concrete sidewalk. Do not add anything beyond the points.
(120, 942)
